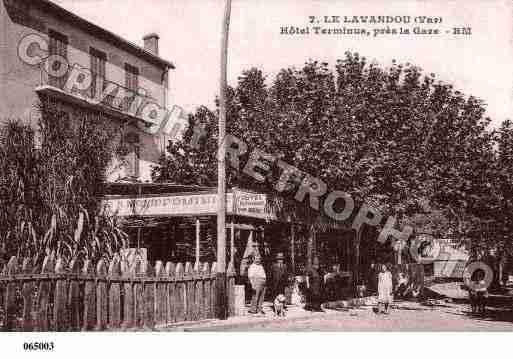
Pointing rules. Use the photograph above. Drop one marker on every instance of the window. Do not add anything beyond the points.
(131, 77)
(133, 155)
(58, 45)
(131, 83)
(98, 70)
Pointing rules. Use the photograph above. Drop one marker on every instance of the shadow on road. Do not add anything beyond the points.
(501, 314)
(493, 314)
(400, 307)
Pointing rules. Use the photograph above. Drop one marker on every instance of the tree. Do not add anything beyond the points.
(392, 136)
(504, 199)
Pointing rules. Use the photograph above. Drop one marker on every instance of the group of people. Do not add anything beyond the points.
(279, 281)
(317, 285)
(405, 289)
(387, 291)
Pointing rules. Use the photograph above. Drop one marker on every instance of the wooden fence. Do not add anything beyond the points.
(106, 296)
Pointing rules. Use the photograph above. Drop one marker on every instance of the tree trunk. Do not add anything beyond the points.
(356, 267)
(311, 247)
(292, 250)
(501, 269)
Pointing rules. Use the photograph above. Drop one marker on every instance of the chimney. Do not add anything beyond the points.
(151, 43)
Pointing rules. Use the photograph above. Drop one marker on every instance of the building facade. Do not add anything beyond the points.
(49, 52)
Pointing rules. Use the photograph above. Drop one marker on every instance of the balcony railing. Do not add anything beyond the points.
(102, 93)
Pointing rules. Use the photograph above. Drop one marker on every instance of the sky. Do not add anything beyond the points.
(190, 37)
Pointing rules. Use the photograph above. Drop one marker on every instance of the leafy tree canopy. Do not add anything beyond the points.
(393, 136)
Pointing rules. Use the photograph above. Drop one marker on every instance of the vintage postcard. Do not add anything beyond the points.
(243, 165)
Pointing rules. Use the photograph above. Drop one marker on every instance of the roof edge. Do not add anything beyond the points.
(104, 33)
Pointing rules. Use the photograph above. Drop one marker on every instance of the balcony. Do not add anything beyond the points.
(108, 97)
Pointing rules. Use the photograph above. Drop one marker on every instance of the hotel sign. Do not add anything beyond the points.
(250, 204)
(245, 204)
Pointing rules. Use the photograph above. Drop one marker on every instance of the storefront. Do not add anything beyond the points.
(178, 223)
(181, 225)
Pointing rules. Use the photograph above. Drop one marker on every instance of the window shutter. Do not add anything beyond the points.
(58, 45)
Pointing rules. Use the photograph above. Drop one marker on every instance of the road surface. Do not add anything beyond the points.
(405, 316)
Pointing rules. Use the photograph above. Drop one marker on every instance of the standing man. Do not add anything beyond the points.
(265, 254)
(372, 278)
(332, 283)
(279, 276)
(257, 278)
(313, 284)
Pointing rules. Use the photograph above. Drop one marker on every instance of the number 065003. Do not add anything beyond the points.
(47, 346)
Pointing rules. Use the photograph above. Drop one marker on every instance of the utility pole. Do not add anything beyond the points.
(221, 292)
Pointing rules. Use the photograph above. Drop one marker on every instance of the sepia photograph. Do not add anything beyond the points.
(193, 166)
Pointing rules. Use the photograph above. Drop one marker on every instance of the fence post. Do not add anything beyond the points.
(74, 295)
(205, 274)
(27, 293)
(10, 313)
(198, 298)
(43, 306)
(160, 295)
(101, 296)
(213, 289)
(180, 293)
(89, 296)
(189, 292)
(60, 298)
(114, 293)
(128, 295)
(148, 296)
(170, 292)
(138, 294)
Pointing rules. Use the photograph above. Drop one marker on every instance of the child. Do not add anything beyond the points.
(280, 305)
(416, 292)
(385, 289)
(402, 286)
(481, 293)
(478, 294)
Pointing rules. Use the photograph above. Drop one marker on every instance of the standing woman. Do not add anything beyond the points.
(385, 288)
(313, 284)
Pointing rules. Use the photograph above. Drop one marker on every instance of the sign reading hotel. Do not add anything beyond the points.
(246, 204)
(250, 204)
